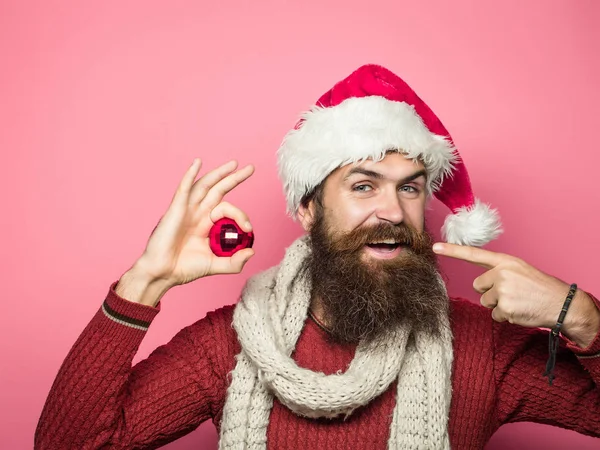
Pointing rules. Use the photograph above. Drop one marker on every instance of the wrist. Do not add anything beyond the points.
(137, 286)
(582, 321)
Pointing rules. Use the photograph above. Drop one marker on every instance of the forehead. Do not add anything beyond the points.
(393, 165)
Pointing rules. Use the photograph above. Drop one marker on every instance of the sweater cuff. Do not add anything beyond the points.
(592, 350)
(126, 313)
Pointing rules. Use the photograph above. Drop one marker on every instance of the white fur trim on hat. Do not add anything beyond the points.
(357, 129)
(475, 225)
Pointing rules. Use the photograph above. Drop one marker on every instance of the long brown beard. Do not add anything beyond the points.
(362, 299)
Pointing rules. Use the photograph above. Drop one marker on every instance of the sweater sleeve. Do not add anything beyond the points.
(98, 400)
(573, 400)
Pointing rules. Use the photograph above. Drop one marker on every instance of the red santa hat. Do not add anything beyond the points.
(364, 116)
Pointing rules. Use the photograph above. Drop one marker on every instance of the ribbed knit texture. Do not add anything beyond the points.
(268, 320)
(99, 400)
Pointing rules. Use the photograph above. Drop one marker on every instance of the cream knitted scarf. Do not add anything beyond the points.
(268, 321)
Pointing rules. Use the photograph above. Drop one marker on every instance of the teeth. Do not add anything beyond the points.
(387, 241)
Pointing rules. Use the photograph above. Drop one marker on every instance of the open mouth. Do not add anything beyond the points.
(385, 249)
(384, 246)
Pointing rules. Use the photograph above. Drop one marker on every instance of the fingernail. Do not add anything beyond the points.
(438, 247)
(248, 226)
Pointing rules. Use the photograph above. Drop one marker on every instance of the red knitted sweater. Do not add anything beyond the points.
(99, 401)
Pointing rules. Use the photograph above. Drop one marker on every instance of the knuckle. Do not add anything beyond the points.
(518, 261)
(503, 273)
(211, 198)
(510, 314)
(504, 290)
(501, 290)
(178, 192)
(484, 300)
(515, 263)
(497, 315)
(478, 285)
(201, 189)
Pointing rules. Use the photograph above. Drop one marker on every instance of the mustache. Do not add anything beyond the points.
(406, 235)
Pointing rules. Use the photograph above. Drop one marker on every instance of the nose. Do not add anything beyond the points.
(389, 208)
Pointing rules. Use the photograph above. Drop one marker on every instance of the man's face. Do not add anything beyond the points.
(389, 192)
(371, 265)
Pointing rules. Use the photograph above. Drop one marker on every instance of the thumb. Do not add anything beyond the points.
(239, 259)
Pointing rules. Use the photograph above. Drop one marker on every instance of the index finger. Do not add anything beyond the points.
(475, 255)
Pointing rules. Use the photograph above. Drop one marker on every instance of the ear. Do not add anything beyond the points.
(306, 215)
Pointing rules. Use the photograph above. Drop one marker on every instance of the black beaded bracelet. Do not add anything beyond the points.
(554, 334)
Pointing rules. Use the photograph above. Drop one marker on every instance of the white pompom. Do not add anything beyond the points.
(475, 225)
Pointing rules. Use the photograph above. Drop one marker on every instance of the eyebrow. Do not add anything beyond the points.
(378, 176)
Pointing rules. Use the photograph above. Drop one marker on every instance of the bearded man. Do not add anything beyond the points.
(351, 341)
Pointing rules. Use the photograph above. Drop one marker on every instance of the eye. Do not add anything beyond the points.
(409, 190)
(362, 188)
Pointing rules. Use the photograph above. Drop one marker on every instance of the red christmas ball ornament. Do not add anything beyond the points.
(226, 237)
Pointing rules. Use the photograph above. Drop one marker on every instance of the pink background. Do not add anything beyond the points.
(103, 107)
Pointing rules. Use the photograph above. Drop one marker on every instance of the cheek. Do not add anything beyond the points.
(414, 214)
(352, 215)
